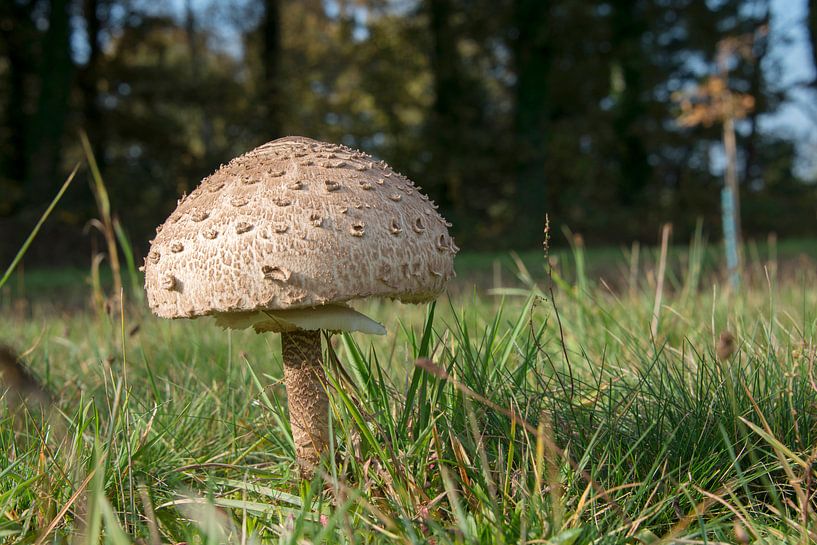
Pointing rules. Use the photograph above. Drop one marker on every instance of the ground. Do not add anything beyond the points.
(519, 408)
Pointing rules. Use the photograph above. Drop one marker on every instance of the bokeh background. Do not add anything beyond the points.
(502, 110)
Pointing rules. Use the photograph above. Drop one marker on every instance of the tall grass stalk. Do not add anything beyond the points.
(659, 281)
(27, 242)
(105, 223)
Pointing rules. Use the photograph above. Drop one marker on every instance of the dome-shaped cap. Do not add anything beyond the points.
(297, 223)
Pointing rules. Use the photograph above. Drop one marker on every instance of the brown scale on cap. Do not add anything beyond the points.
(199, 215)
(167, 282)
(243, 227)
(395, 228)
(302, 206)
(281, 201)
(442, 245)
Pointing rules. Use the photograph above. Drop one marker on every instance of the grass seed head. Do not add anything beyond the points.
(726, 346)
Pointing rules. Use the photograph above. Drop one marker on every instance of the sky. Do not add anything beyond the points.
(790, 48)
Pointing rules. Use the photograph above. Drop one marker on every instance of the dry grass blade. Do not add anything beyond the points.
(77, 493)
(103, 203)
(153, 527)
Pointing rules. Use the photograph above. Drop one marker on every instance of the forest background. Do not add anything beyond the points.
(502, 110)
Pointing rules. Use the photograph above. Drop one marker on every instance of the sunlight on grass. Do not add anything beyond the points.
(518, 425)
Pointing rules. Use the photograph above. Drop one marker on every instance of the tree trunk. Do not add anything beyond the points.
(757, 90)
(17, 32)
(532, 58)
(446, 123)
(306, 397)
(56, 73)
(88, 82)
(730, 201)
(16, 117)
(271, 60)
(206, 124)
(628, 27)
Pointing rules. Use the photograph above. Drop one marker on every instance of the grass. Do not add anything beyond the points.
(69, 286)
(544, 418)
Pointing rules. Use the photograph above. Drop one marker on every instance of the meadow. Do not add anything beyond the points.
(583, 398)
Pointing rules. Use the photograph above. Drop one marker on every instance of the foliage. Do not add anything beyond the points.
(500, 110)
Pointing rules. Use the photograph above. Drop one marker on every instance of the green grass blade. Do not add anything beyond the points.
(24, 248)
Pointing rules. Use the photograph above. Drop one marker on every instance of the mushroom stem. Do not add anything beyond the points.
(306, 394)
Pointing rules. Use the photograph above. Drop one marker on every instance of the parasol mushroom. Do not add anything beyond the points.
(280, 239)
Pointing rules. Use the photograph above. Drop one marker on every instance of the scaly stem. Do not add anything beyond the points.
(306, 394)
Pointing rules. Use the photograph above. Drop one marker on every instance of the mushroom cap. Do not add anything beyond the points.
(297, 223)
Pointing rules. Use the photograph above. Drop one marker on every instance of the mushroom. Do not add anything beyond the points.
(318, 227)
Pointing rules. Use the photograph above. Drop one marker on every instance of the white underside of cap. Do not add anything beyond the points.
(328, 317)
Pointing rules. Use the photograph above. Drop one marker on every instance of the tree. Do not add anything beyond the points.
(501, 109)
(811, 28)
(271, 96)
(446, 117)
(18, 36)
(630, 63)
(715, 102)
(758, 89)
(56, 73)
(532, 52)
(94, 12)
(457, 127)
